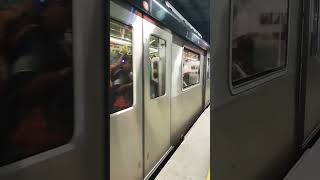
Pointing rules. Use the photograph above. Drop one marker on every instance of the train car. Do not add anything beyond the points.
(266, 86)
(166, 92)
(52, 82)
(52, 90)
(207, 86)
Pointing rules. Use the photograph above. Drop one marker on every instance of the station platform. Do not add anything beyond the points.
(191, 160)
(307, 168)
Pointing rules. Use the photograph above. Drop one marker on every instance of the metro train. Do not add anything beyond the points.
(171, 87)
(53, 87)
(266, 86)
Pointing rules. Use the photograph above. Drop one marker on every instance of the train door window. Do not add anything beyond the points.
(208, 68)
(259, 39)
(157, 55)
(121, 76)
(190, 68)
(36, 78)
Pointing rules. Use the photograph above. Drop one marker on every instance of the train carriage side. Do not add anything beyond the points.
(59, 133)
(126, 106)
(207, 81)
(166, 87)
(255, 98)
(187, 86)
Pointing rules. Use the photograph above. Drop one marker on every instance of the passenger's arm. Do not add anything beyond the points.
(117, 64)
(124, 87)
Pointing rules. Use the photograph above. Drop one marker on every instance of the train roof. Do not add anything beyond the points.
(165, 13)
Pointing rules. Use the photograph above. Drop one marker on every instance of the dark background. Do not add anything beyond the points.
(197, 13)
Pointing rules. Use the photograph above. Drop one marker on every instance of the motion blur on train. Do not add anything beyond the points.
(52, 82)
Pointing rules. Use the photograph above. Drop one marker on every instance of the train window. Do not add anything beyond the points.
(259, 38)
(316, 30)
(190, 68)
(208, 68)
(36, 77)
(157, 55)
(121, 76)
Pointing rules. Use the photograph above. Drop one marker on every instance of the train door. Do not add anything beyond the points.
(52, 118)
(126, 102)
(254, 127)
(204, 77)
(157, 75)
(311, 71)
(207, 80)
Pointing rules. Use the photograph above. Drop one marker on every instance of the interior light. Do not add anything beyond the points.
(120, 41)
(145, 5)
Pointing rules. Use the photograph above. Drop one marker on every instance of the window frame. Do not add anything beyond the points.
(133, 68)
(149, 62)
(182, 61)
(260, 78)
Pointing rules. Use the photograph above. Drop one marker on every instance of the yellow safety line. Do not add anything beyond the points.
(208, 177)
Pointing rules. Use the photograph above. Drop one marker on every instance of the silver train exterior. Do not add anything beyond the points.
(144, 134)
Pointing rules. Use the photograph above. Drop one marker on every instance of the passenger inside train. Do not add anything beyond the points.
(36, 77)
(121, 83)
(121, 76)
(157, 56)
(191, 68)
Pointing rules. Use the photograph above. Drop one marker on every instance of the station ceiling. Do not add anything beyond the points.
(197, 13)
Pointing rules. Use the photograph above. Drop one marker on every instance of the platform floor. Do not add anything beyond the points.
(191, 160)
(307, 168)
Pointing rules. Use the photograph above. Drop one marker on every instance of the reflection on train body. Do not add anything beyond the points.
(259, 40)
